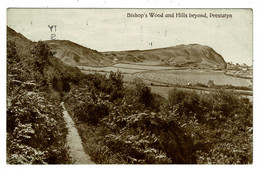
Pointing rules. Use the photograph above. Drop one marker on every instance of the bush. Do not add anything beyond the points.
(113, 86)
(12, 52)
(146, 137)
(143, 97)
(138, 128)
(36, 132)
(133, 134)
(219, 122)
(91, 112)
(201, 85)
(186, 103)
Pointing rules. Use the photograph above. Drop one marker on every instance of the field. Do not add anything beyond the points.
(161, 79)
(142, 66)
(247, 74)
(124, 68)
(185, 77)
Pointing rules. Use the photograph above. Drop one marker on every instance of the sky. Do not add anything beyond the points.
(112, 30)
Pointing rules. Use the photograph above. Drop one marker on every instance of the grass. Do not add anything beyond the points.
(174, 78)
(125, 68)
(166, 74)
(184, 77)
(142, 67)
(113, 69)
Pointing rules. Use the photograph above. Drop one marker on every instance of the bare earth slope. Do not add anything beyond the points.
(74, 54)
(194, 55)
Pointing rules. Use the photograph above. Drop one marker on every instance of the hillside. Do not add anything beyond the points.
(117, 124)
(69, 52)
(73, 54)
(76, 55)
(17, 37)
(36, 83)
(193, 55)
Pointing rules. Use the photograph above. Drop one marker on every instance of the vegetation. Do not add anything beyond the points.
(117, 124)
(220, 124)
(134, 129)
(138, 126)
(194, 77)
(36, 132)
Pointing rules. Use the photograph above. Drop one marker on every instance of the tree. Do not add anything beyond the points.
(211, 83)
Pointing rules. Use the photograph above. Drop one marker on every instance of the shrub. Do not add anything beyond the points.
(219, 122)
(143, 97)
(133, 134)
(185, 103)
(12, 52)
(147, 138)
(211, 83)
(76, 58)
(36, 132)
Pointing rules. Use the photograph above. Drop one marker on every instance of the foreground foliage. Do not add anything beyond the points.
(36, 132)
(141, 127)
(219, 122)
(133, 133)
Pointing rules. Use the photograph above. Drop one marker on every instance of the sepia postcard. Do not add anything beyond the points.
(129, 86)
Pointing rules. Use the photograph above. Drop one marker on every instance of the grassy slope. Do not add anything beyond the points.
(74, 54)
(181, 55)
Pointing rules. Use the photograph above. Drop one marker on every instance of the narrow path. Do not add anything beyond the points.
(74, 141)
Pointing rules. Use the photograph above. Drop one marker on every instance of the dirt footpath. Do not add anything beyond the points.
(74, 141)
